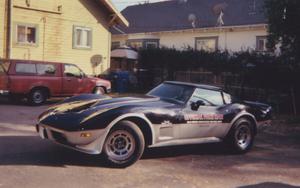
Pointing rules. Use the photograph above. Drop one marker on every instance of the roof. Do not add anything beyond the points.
(115, 13)
(177, 15)
(203, 86)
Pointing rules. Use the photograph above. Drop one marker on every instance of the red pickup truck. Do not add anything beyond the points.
(38, 80)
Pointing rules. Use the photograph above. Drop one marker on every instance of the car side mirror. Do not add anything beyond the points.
(195, 105)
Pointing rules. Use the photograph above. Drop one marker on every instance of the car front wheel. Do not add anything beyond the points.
(241, 136)
(124, 145)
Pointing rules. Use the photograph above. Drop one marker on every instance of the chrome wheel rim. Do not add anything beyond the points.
(99, 91)
(120, 145)
(243, 136)
(37, 97)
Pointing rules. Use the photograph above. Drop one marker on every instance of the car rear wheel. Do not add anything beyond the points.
(241, 136)
(124, 145)
(99, 91)
(37, 97)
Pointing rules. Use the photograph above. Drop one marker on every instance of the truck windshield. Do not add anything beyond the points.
(173, 92)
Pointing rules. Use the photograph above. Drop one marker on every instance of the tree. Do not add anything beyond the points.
(284, 27)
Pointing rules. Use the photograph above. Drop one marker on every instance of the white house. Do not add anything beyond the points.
(232, 25)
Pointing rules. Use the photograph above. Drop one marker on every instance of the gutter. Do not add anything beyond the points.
(206, 29)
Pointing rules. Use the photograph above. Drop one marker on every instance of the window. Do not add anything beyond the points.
(45, 69)
(26, 34)
(72, 71)
(135, 44)
(151, 44)
(179, 93)
(2, 72)
(261, 43)
(25, 68)
(209, 97)
(207, 44)
(115, 45)
(82, 37)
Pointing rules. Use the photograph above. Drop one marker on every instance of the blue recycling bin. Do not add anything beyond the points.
(121, 81)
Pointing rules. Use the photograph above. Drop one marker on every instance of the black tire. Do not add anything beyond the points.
(125, 138)
(99, 91)
(241, 136)
(37, 97)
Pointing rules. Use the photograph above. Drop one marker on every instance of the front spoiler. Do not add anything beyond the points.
(74, 140)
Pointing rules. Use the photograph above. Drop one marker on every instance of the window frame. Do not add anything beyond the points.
(75, 46)
(26, 25)
(258, 38)
(151, 42)
(216, 38)
(25, 73)
(115, 45)
(206, 100)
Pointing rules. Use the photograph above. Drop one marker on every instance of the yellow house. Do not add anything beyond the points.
(68, 31)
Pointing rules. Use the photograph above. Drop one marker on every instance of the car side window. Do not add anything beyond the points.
(25, 68)
(46, 69)
(209, 97)
(72, 71)
(227, 98)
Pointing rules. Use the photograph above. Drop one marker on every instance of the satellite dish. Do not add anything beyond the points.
(220, 7)
(96, 60)
(192, 19)
(182, 1)
(219, 10)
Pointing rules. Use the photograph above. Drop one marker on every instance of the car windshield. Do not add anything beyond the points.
(173, 92)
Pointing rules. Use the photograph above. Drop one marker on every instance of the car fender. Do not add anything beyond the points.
(122, 117)
(240, 115)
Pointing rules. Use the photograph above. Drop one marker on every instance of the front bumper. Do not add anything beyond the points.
(74, 140)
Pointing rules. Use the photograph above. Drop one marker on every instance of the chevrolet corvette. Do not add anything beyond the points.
(173, 113)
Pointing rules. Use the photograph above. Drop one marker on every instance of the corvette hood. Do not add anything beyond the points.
(78, 106)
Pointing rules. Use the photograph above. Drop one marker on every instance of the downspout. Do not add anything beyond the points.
(10, 27)
(8, 8)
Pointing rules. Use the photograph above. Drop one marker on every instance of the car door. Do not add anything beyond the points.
(204, 119)
(73, 80)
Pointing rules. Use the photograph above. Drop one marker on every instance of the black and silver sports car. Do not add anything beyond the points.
(173, 113)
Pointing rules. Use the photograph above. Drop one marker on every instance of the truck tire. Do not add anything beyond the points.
(124, 144)
(37, 97)
(241, 136)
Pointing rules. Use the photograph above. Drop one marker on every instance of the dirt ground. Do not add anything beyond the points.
(28, 161)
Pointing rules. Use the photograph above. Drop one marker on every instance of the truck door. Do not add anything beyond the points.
(73, 80)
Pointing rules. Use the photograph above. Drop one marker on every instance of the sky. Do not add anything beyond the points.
(121, 4)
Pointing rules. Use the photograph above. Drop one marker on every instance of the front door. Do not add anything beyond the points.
(73, 80)
(206, 119)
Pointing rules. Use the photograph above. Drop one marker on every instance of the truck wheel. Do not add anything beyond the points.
(241, 136)
(124, 145)
(99, 91)
(37, 97)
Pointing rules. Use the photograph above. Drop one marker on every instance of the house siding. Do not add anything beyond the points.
(55, 32)
(239, 39)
